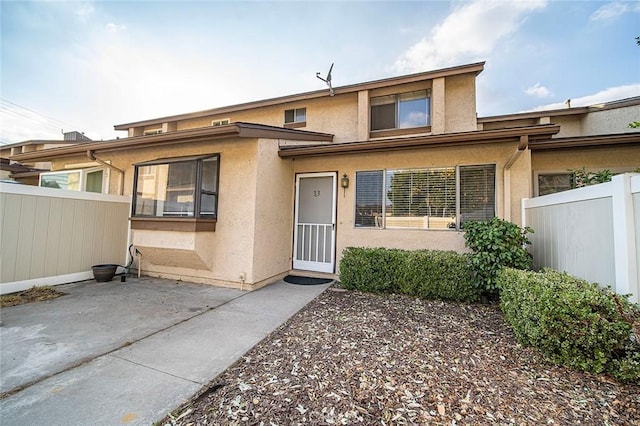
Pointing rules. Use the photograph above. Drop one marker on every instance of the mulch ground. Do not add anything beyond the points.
(350, 358)
(34, 294)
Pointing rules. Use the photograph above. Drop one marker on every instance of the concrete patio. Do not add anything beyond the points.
(128, 353)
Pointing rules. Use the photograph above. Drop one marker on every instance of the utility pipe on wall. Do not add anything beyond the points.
(91, 156)
(522, 147)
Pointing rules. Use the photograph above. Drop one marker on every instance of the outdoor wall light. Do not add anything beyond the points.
(344, 182)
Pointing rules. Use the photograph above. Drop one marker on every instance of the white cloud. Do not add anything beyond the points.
(538, 91)
(84, 11)
(606, 95)
(115, 28)
(614, 9)
(471, 32)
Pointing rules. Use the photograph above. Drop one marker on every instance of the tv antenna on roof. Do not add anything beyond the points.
(327, 80)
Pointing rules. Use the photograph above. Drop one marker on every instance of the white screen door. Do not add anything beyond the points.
(314, 233)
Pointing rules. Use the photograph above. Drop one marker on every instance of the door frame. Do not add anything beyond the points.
(315, 266)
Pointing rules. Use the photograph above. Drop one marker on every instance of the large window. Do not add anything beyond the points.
(181, 187)
(436, 198)
(89, 180)
(401, 111)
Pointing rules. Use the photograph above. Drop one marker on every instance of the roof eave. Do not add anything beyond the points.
(475, 68)
(594, 141)
(534, 133)
(239, 129)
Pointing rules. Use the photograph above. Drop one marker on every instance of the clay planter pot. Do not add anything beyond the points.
(104, 273)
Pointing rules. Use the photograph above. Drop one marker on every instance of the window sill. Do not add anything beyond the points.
(398, 132)
(295, 125)
(173, 224)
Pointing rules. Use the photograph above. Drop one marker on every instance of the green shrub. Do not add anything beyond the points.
(371, 269)
(430, 274)
(495, 244)
(434, 274)
(571, 321)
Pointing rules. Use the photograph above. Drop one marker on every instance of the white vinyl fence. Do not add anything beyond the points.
(591, 232)
(52, 236)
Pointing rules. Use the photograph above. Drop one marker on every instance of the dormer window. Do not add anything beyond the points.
(295, 117)
(401, 111)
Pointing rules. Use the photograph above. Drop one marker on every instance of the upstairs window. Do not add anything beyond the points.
(223, 122)
(295, 117)
(179, 188)
(435, 198)
(89, 180)
(401, 111)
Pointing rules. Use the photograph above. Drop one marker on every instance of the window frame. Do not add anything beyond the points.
(397, 101)
(83, 178)
(220, 122)
(381, 221)
(296, 121)
(196, 222)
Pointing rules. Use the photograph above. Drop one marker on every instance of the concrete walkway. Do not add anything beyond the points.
(129, 353)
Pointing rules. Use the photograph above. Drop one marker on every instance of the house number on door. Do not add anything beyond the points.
(316, 193)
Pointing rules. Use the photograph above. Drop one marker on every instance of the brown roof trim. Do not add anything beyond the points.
(622, 103)
(239, 129)
(475, 68)
(41, 142)
(534, 133)
(595, 141)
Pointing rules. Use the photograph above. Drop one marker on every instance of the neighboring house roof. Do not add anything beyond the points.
(533, 133)
(622, 103)
(237, 129)
(444, 72)
(592, 141)
(17, 167)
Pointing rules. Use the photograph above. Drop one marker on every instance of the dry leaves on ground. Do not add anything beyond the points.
(34, 294)
(351, 357)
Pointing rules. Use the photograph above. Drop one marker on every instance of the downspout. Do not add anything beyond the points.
(522, 147)
(92, 157)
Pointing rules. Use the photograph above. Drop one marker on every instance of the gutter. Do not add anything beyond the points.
(91, 156)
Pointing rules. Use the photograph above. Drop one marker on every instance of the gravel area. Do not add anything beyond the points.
(351, 357)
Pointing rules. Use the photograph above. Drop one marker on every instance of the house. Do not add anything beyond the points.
(242, 195)
(29, 172)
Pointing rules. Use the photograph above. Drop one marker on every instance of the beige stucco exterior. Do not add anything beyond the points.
(252, 243)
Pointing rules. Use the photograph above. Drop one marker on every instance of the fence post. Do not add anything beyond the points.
(626, 268)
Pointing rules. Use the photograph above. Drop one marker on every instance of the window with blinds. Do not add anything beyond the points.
(477, 192)
(435, 198)
(369, 194)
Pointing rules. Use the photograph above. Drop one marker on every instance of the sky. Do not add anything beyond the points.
(89, 65)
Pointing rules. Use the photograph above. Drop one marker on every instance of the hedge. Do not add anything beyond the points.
(429, 274)
(573, 322)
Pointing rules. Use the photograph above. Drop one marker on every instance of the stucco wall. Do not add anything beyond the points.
(614, 158)
(611, 121)
(330, 114)
(460, 104)
(273, 214)
(346, 233)
(218, 257)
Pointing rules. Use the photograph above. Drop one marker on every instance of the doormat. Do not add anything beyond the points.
(296, 279)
